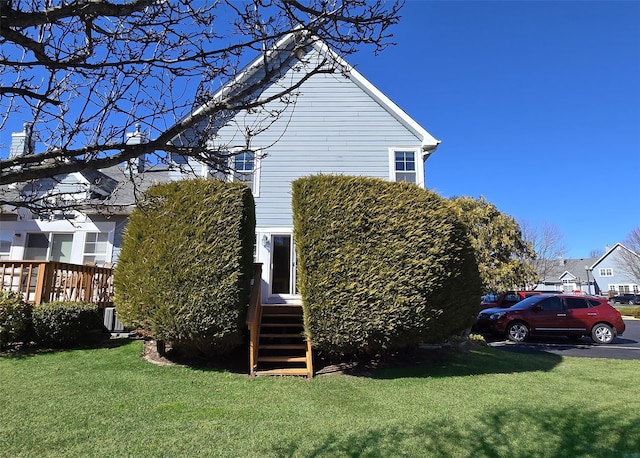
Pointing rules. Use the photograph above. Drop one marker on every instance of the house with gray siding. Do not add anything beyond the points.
(571, 275)
(335, 123)
(92, 209)
(607, 275)
(611, 271)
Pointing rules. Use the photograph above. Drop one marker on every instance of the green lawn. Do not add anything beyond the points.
(629, 310)
(483, 402)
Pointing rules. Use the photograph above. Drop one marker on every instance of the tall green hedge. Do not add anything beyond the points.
(184, 271)
(381, 265)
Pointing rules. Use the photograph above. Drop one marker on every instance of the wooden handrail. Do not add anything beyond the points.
(254, 313)
(47, 281)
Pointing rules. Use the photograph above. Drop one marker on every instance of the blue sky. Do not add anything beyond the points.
(537, 105)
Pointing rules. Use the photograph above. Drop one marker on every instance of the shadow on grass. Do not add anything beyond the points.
(539, 432)
(235, 361)
(23, 351)
(446, 362)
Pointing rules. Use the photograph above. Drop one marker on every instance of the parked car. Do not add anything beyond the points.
(631, 299)
(558, 314)
(505, 299)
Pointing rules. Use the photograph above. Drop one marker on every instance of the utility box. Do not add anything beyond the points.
(111, 321)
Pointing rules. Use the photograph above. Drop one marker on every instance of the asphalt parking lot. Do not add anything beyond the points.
(626, 346)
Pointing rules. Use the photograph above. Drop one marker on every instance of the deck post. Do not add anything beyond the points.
(40, 281)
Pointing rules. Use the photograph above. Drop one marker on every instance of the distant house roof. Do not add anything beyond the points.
(568, 268)
(115, 189)
(611, 250)
(99, 180)
(129, 188)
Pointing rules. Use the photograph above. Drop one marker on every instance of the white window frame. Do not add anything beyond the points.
(257, 159)
(97, 254)
(419, 164)
(6, 236)
(50, 235)
(605, 272)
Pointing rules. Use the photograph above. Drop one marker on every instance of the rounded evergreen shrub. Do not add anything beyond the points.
(184, 271)
(381, 265)
(15, 318)
(67, 323)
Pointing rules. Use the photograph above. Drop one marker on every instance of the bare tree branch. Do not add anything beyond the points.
(547, 242)
(84, 72)
(630, 256)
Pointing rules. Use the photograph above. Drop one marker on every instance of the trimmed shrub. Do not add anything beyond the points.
(67, 323)
(183, 275)
(15, 318)
(381, 265)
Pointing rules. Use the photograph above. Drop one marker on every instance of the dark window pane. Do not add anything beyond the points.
(576, 303)
(553, 303)
(37, 246)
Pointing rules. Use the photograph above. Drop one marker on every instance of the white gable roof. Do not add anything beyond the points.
(428, 142)
(610, 251)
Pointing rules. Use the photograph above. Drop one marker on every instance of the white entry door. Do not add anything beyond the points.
(283, 268)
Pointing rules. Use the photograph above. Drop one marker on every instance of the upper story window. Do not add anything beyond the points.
(245, 167)
(605, 272)
(245, 162)
(405, 164)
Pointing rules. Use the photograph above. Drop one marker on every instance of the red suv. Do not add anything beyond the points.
(559, 314)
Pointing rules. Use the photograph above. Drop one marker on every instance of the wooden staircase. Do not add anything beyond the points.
(281, 345)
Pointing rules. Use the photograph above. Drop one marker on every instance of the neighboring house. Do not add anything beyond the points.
(606, 275)
(569, 276)
(337, 123)
(89, 230)
(612, 275)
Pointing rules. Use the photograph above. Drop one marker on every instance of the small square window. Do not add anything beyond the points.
(606, 272)
(244, 162)
(404, 166)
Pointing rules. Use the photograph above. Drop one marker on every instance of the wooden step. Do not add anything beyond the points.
(275, 309)
(283, 315)
(289, 371)
(283, 347)
(281, 325)
(282, 359)
(284, 335)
